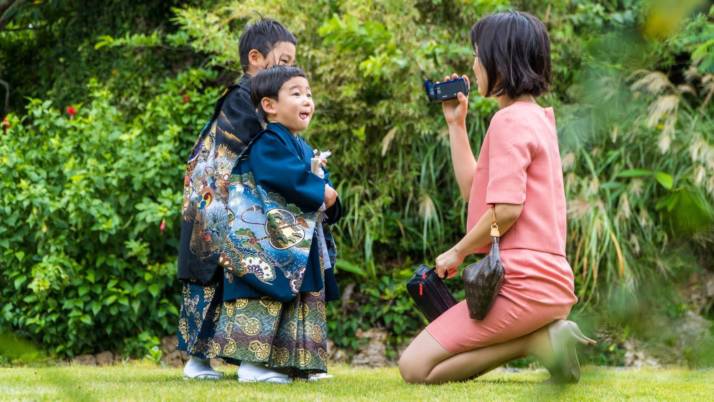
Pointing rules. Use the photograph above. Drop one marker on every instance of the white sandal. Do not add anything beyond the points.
(200, 369)
(319, 377)
(249, 372)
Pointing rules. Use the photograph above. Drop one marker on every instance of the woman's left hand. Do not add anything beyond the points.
(447, 263)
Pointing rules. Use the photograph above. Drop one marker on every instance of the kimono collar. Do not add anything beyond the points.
(280, 129)
(244, 82)
(288, 137)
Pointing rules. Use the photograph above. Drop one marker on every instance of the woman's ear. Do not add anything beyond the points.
(268, 106)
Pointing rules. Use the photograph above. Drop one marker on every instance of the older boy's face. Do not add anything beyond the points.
(283, 54)
(294, 106)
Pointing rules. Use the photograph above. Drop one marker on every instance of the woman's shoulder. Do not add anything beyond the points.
(520, 112)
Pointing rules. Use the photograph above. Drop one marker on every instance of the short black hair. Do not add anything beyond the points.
(267, 84)
(514, 49)
(262, 36)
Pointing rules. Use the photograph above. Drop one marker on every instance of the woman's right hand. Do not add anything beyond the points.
(455, 109)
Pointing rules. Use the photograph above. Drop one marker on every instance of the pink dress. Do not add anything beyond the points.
(519, 163)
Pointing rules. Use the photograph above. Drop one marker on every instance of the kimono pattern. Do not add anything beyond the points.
(204, 216)
(273, 311)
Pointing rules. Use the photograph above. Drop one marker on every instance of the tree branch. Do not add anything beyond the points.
(7, 94)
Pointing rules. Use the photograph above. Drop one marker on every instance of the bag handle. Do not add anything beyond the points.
(495, 231)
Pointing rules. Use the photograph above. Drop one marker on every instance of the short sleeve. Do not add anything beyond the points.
(511, 148)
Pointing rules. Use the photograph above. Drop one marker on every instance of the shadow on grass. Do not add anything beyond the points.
(20, 351)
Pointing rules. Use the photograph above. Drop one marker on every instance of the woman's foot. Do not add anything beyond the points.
(563, 361)
(200, 369)
(249, 372)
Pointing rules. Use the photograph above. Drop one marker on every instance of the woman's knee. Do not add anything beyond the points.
(411, 373)
(413, 369)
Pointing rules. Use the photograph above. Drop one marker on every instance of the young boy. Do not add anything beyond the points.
(234, 123)
(273, 316)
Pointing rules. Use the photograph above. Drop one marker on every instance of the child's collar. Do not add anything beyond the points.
(279, 127)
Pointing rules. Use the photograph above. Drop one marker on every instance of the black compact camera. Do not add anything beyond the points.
(441, 91)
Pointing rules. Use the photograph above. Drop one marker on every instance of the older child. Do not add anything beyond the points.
(234, 123)
(273, 316)
(519, 173)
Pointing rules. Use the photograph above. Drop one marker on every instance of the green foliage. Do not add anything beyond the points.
(85, 263)
(82, 254)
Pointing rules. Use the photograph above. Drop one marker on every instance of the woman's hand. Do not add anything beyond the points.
(455, 109)
(447, 264)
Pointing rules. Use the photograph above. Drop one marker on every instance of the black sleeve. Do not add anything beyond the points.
(334, 213)
(238, 116)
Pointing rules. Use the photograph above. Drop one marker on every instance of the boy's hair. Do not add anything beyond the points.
(514, 49)
(262, 36)
(267, 84)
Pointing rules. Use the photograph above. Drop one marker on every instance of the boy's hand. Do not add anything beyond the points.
(455, 109)
(330, 196)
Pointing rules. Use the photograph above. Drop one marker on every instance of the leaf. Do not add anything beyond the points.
(154, 289)
(666, 180)
(110, 300)
(387, 140)
(19, 281)
(347, 266)
(635, 173)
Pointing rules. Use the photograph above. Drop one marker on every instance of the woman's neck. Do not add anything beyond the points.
(505, 100)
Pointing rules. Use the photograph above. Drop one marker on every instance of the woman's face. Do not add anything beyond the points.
(480, 74)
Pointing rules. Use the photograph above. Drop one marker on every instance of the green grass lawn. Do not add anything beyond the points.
(141, 382)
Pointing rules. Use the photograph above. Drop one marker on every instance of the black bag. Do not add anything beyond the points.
(429, 292)
(483, 280)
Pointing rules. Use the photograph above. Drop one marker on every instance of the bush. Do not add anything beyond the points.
(90, 209)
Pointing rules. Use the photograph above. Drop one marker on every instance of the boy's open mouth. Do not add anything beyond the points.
(304, 115)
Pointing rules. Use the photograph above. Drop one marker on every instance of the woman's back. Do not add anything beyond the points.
(519, 163)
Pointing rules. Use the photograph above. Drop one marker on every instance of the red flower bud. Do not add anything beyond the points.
(186, 99)
(71, 111)
(162, 226)
(5, 124)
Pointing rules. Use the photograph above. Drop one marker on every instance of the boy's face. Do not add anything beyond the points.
(283, 54)
(294, 106)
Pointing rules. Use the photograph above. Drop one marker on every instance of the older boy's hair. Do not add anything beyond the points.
(514, 49)
(262, 36)
(267, 84)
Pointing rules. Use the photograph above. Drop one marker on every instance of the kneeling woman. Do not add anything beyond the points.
(519, 174)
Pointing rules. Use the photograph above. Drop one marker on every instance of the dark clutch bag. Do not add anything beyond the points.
(429, 292)
(483, 280)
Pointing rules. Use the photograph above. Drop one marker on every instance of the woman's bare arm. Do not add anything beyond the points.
(479, 236)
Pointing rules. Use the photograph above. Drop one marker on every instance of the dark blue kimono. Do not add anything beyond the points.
(274, 314)
(280, 162)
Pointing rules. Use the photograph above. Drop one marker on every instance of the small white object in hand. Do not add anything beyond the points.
(318, 160)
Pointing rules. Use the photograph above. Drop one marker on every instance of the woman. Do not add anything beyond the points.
(519, 174)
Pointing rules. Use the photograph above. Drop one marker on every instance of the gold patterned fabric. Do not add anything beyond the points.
(200, 310)
(290, 336)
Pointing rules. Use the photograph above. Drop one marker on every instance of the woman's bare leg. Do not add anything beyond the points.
(426, 362)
